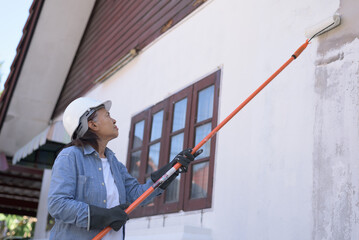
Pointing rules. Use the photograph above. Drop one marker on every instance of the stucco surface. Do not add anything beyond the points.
(336, 130)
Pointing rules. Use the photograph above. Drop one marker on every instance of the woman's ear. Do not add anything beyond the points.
(93, 125)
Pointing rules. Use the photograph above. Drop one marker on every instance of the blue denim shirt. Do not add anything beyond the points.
(77, 182)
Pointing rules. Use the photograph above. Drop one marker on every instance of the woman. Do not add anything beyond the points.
(90, 188)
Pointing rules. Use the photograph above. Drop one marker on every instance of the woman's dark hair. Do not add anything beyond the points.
(89, 138)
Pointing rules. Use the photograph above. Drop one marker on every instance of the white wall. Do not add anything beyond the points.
(42, 212)
(336, 143)
(268, 180)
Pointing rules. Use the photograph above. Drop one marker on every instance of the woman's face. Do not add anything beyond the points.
(103, 125)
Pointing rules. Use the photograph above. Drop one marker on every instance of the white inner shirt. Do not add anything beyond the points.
(113, 199)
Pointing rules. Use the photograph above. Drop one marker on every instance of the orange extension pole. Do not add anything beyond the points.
(150, 190)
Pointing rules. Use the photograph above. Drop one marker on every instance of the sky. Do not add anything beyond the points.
(13, 16)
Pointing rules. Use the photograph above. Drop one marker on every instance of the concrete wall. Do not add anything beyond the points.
(336, 143)
(42, 212)
(287, 166)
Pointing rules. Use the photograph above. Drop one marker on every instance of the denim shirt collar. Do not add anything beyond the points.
(88, 150)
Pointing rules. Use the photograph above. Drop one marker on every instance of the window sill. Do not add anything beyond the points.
(173, 233)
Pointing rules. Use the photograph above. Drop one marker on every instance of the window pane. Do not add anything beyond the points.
(135, 164)
(153, 157)
(202, 132)
(172, 191)
(200, 180)
(176, 145)
(138, 135)
(179, 115)
(205, 104)
(156, 130)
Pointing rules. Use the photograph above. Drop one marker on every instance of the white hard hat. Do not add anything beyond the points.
(77, 112)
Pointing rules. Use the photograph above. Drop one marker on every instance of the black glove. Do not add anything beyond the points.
(114, 217)
(184, 158)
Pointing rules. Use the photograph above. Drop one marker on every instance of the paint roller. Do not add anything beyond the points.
(322, 27)
(312, 32)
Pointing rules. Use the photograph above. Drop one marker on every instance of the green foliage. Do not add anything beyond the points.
(15, 225)
(50, 222)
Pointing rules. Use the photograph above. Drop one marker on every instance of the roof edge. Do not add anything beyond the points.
(21, 51)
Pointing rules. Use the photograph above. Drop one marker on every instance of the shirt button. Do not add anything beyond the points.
(104, 201)
(99, 169)
(103, 184)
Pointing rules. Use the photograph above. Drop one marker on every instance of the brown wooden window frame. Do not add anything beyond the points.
(185, 203)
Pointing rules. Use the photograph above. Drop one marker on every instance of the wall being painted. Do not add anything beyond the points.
(287, 166)
(336, 143)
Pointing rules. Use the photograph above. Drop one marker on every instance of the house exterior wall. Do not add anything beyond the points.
(42, 213)
(287, 165)
(336, 144)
